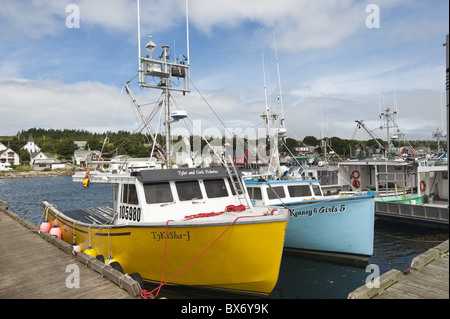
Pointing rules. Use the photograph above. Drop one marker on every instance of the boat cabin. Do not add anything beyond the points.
(156, 195)
(282, 191)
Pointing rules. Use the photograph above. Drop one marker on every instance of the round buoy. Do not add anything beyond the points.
(76, 248)
(56, 231)
(45, 227)
(90, 251)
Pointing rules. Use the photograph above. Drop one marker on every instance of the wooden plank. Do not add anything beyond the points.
(428, 278)
(386, 280)
(30, 268)
(431, 282)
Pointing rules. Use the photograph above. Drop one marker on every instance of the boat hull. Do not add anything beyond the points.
(341, 225)
(238, 256)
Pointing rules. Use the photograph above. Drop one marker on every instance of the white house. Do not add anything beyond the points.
(42, 160)
(9, 156)
(31, 147)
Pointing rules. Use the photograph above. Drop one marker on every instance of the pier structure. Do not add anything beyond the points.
(37, 265)
(427, 278)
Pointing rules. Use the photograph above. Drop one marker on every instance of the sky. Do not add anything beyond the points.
(63, 63)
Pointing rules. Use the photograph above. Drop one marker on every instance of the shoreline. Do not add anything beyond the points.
(32, 174)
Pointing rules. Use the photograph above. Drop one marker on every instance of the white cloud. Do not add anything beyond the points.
(330, 62)
(49, 104)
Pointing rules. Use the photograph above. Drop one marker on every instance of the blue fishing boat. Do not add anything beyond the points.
(340, 225)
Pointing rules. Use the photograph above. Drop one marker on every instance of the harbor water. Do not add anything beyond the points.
(301, 277)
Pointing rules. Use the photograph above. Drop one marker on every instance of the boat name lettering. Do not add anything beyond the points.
(198, 172)
(132, 213)
(170, 235)
(321, 210)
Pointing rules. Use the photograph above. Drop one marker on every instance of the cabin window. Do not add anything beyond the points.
(299, 190)
(156, 193)
(254, 192)
(188, 190)
(129, 194)
(316, 190)
(215, 188)
(276, 192)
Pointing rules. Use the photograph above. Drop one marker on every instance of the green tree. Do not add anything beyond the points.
(66, 149)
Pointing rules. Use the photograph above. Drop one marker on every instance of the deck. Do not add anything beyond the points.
(427, 278)
(40, 266)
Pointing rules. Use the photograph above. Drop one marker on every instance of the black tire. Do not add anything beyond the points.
(116, 266)
(138, 279)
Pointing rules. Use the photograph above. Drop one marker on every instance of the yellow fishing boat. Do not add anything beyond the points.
(187, 230)
(192, 226)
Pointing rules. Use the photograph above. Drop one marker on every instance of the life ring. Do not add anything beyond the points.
(423, 186)
(356, 183)
(355, 174)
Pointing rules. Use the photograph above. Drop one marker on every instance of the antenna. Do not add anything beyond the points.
(187, 33)
(266, 114)
(139, 41)
(279, 80)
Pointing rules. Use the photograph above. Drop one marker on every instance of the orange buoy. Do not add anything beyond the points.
(56, 231)
(45, 226)
(423, 186)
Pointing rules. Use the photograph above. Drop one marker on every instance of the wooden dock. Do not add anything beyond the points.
(427, 278)
(41, 266)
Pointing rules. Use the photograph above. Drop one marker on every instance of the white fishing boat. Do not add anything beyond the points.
(172, 225)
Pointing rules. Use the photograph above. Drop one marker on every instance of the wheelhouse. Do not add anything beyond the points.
(281, 191)
(157, 195)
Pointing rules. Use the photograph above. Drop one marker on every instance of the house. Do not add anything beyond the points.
(2, 147)
(9, 156)
(38, 156)
(82, 157)
(31, 147)
(42, 160)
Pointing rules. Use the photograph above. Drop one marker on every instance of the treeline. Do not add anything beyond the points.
(60, 143)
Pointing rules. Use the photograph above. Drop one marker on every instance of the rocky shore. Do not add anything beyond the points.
(30, 174)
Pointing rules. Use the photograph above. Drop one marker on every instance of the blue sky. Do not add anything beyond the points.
(334, 69)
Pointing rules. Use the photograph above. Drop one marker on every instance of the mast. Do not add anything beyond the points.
(271, 129)
(279, 86)
(158, 74)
